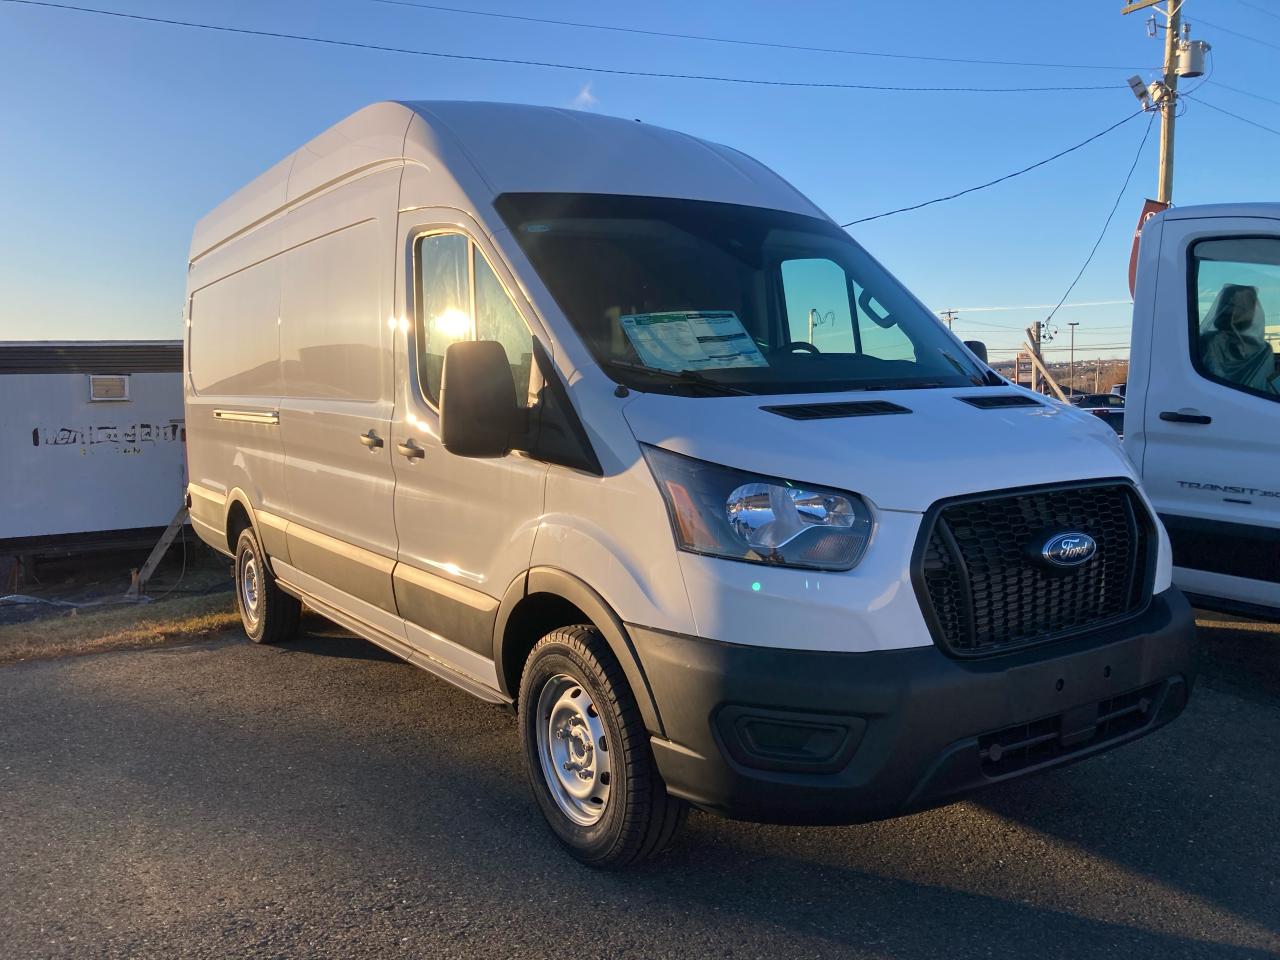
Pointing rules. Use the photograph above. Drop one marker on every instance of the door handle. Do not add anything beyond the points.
(411, 450)
(1177, 416)
(371, 440)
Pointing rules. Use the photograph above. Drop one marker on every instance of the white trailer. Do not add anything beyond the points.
(92, 442)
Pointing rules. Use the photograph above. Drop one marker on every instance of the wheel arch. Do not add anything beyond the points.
(546, 598)
(240, 513)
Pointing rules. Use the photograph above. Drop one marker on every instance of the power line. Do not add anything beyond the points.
(1237, 33)
(1246, 93)
(1259, 8)
(843, 51)
(1106, 223)
(477, 58)
(1044, 306)
(1252, 123)
(992, 183)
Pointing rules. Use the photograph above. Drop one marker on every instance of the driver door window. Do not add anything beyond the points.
(1235, 337)
(461, 298)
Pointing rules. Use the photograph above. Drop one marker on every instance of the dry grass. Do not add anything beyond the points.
(118, 627)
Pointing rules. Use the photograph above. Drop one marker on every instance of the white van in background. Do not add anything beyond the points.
(1202, 416)
(611, 424)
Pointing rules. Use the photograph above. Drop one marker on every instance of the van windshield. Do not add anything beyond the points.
(694, 297)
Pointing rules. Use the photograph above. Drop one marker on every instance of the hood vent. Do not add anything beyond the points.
(1001, 400)
(832, 411)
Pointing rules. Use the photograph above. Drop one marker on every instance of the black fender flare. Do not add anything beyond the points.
(566, 586)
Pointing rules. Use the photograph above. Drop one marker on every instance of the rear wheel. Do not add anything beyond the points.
(268, 613)
(587, 753)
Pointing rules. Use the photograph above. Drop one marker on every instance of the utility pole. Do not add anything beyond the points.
(1071, 365)
(1097, 376)
(948, 317)
(1036, 335)
(1169, 102)
(1183, 57)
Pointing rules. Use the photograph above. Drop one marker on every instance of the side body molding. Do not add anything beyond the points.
(557, 583)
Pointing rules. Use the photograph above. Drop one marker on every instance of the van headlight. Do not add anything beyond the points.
(742, 516)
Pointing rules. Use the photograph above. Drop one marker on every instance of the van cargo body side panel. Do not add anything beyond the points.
(337, 371)
(233, 367)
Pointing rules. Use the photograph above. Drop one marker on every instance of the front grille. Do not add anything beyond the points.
(1053, 738)
(985, 591)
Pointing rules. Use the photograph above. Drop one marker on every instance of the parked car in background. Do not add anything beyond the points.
(613, 425)
(1107, 407)
(1204, 418)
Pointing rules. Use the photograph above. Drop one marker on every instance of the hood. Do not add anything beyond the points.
(942, 447)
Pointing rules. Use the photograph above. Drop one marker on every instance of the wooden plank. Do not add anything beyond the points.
(141, 577)
(1037, 364)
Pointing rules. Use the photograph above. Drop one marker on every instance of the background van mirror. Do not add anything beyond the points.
(978, 349)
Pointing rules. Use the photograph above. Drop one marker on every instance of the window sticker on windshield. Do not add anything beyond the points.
(691, 340)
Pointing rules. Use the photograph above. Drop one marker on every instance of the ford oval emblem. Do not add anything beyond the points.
(1069, 549)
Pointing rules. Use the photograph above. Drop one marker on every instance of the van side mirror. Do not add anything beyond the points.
(479, 415)
(978, 349)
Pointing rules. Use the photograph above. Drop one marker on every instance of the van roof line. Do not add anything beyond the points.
(474, 151)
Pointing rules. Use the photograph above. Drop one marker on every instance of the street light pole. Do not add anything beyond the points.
(1071, 366)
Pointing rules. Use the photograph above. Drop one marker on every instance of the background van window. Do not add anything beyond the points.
(1236, 335)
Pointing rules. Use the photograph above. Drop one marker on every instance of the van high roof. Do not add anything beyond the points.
(476, 151)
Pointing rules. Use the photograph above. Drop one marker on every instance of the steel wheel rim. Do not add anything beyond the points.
(573, 750)
(250, 587)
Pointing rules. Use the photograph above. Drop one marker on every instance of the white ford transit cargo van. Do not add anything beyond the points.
(1202, 415)
(612, 424)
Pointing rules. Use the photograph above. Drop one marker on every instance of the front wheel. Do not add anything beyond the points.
(587, 753)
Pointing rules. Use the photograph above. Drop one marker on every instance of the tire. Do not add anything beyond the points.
(268, 613)
(596, 783)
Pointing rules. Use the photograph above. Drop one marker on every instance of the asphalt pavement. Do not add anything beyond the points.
(325, 800)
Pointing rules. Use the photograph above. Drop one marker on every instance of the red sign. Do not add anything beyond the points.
(1149, 210)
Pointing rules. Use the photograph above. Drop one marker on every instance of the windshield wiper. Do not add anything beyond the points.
(977, 379)
(688, 377)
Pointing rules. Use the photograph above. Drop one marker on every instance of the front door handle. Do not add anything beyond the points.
(371, 440)
(411, 450)
(1178, 416)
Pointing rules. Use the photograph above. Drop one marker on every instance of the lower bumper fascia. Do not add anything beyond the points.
(855, 737)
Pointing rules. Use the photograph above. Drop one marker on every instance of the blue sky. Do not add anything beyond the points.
(119, 135)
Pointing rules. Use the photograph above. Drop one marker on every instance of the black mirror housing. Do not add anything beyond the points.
(978, 349)
(479, 413)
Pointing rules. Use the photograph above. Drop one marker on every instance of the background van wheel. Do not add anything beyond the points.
(587, 753)
(268, 613)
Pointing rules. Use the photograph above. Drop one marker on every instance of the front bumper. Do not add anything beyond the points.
(789, 736)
